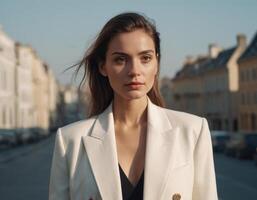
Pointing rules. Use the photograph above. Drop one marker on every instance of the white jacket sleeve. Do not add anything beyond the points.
(59, 179)
(204, 173)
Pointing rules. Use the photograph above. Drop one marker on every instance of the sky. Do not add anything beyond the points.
(60, 30)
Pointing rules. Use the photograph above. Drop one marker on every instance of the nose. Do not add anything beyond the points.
(134, 67)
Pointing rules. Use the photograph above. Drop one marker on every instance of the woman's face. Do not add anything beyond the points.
(131, 64)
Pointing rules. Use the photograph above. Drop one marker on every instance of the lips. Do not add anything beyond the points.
(135, 83)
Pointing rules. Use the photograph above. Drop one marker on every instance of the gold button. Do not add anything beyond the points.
(176, 196)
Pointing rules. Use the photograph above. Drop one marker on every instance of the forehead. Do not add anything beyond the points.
(131, 42)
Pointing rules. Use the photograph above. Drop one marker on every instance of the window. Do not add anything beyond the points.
(248, 75)
(253, 122)
(254, 74)
(248, 98)
(252, 97)
(242, 77)
(242, 98)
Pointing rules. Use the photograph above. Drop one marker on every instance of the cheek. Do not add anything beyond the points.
(115, 77)
(151, 75)
(113, 72)
(150, 78)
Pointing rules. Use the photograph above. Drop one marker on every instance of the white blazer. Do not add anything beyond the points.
(178, 160)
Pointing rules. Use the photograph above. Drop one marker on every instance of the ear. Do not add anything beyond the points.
(102, 70)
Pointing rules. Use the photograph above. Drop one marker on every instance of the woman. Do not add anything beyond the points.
(131, 147)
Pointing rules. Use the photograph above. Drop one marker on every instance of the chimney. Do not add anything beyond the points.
(189, 60)
(214, 50)
(241, 40)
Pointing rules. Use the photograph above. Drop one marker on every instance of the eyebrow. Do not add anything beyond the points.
(140, 53)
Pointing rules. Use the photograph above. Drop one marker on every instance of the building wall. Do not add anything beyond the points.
(215, 94)
(7, 84)
(40, 93)
(187, 94)
(233, 83)
(212, 92)
(24, 88)
(248, 95)
(29, 93)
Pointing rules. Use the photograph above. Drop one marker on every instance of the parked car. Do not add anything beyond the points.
(230, 147)
(242, 145)
(247, 146)
(37, 133)
(26, 136)
(8, 137)
(31, 135)
(219, 140)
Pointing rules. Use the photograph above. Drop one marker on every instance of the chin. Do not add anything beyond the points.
(131, 94)
(134, 95)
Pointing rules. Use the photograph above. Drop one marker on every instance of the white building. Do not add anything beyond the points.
(40, 93)
(7, 81)
(24, 87)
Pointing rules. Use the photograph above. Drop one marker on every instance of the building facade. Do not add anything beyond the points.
(7, 83)
(40, 93)
(208, 86)
(24, 86)
(248, 88)
(188, 87)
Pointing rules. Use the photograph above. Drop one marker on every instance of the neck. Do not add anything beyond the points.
(130, 112)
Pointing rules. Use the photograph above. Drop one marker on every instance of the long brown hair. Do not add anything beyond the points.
(100, 89)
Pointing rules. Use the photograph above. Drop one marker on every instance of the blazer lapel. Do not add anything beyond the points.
(101, 151)
(163, 154)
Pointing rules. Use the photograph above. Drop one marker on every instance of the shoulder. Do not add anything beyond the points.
(76, 129)
(184, 120)
(192, 127)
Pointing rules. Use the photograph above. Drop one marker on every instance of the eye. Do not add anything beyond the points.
(146, 58)
(120, 60)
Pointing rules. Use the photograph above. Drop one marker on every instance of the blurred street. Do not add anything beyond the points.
(24, 173)
(236, 179)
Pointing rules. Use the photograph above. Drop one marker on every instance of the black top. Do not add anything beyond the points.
(130, 192)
